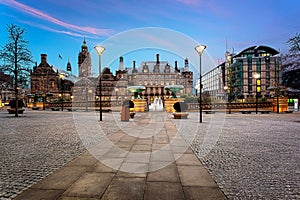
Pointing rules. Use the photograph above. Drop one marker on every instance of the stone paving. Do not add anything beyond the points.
(32, 146)
(256, 156)
(153, 162)
(253, 157)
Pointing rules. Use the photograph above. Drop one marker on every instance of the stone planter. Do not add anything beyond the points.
(132, 115)
(180, 115)
(13, 111)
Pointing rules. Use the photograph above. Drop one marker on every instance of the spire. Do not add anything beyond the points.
(69, 67)
(84, 46)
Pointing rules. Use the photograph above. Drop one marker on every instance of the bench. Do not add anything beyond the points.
(264, 111)
(288, 111)
(209, 111)
(245, 111)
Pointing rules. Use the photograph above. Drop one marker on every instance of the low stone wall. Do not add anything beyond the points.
(78, 105)
(223, 106)
(191, 106)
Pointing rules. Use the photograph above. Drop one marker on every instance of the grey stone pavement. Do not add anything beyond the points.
(144, 159)
(243, 156)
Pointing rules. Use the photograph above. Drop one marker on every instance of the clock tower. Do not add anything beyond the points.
(84, 61)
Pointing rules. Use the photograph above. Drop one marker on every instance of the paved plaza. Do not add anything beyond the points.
(247, 156)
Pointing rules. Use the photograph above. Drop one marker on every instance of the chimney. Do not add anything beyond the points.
(121, 64)
(134, 70)
(157, 58)
(43, 58)
(176, 67)
(186, 65)
(186, 62)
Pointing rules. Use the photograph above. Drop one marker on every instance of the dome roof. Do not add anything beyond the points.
(84, 43)
(258, 50)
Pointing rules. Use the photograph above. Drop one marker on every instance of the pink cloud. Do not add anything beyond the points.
(55, 30)
(36, 13)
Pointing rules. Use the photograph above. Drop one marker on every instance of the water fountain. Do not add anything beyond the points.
(157, 105)
(139, 103)
(173, 99)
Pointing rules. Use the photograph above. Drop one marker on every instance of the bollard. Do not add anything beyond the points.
(125, 111)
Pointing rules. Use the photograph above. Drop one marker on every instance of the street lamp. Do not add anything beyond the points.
(197, 87)
(225, 90)
(61, 77)
(277, 87)
(229, 57)
(100, 50)
(200, 49)
(44, 100)
(257, 85)
(117, 98)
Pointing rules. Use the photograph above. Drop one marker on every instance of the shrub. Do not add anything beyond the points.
(128, 103)
(180, 106)
(12, 103)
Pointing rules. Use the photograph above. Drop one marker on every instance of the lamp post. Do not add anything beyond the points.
(225, 90)
(229, 87)
(61, 77)
(200, 49)
(117, 98)
(257, 86)
(277, 87)
(44, 100)
(100, 50)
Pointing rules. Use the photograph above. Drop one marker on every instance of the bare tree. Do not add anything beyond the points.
(16, 58)
(291, 59)
(291, 65)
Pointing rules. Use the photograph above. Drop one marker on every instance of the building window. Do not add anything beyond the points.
(258, 65)
(249, 59)
(268, 78)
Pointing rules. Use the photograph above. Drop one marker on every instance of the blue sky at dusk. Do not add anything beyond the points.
(58, 27)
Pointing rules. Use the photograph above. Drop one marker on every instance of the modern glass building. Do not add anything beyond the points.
(254, 71)
(213, 82)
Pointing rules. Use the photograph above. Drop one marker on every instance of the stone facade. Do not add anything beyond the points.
(6, 88)
(84, 61)
(48, 82)
(154, 75)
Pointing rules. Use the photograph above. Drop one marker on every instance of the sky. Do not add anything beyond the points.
(137, 30)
